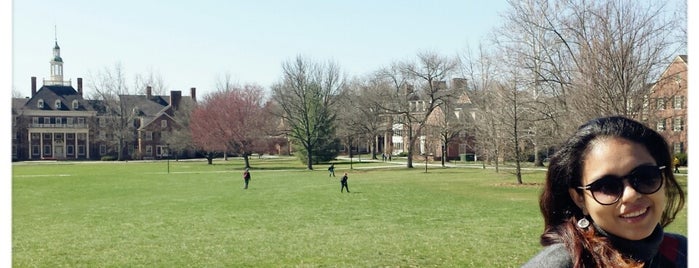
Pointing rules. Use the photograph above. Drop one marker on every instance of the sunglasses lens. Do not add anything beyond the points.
(607, 190)
(647, 180)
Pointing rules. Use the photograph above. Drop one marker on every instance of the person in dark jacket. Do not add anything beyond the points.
(246, 177)
(343, 181)
(331, 170)
(609, 193)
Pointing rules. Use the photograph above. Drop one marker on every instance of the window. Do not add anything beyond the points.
(35, 121)
(398, 146)
(69, 121)
(101, 135)
(149, 150)
(163, 123)
(102, 121)
(678, 102)
(70, 150)
(70, 136)
(660, 126)
(677, 124)
(47, 136)
(47, 120)
(58, 104)
(81, 149)
(81, 121)
(646, 104)
(660, 104)
(58, 136)
(36, 136)
(103, 149)
(40, 104)
(47, 149)
(148, 136)
(76, 105)
(82, 136)
(678, 147)
(35, 149)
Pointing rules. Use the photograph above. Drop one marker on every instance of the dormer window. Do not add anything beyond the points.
(58, 104)
(40, 104)
(75, 104)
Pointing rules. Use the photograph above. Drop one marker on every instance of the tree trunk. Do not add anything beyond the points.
(411, 141)
(210, 158)
(247, 160)
(444, 153)
(120, 157)
(309, 150)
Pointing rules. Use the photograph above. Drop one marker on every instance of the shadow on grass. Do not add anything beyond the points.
(524, 184)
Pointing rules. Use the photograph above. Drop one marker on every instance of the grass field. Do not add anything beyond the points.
(136, 214)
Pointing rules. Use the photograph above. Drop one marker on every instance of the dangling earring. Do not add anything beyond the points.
(583, 223)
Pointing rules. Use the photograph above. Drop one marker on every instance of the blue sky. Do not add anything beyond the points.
(195, 43)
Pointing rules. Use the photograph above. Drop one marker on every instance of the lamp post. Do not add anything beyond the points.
(167, 151)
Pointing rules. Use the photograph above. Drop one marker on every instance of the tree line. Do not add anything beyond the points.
(549, 66)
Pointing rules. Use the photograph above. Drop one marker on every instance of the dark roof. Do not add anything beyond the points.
(684, 58)
(66, 94)
(145, 106)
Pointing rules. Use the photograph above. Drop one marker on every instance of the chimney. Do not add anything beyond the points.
(33, 86)
(148, 92)
(193, 93)
(437, 85)
(80, 86)
(175, 97)
(459, 83)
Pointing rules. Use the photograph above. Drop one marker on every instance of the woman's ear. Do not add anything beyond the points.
(579, 199)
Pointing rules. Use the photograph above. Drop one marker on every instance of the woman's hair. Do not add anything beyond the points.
(565, 172)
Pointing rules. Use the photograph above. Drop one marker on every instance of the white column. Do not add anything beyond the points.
(30, 144)
(87, 144)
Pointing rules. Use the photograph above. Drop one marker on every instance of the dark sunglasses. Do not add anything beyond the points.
(609, 189)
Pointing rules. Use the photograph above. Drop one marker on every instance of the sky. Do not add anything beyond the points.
(197, 43)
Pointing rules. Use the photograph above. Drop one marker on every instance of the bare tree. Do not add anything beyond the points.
(600, 55)
(306, 95)
(448, 121)
(417, 88)
(180, 137)
(151, 79)
(115, 117)
(480, 69)
(360, 115)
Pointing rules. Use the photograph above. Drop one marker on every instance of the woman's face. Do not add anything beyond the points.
(635, 215)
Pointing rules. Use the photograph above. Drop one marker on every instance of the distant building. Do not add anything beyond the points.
(665, 107)
(458, 112)
(57, 122)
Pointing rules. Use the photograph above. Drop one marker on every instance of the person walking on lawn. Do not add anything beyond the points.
(246, 177)
(331, 170)
(343, 181)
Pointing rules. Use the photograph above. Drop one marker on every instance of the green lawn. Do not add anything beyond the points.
(136, 214)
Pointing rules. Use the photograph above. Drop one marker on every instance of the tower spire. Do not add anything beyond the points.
(56, 60)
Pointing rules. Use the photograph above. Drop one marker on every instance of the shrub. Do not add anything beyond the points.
(108, 158)
(683, 158)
